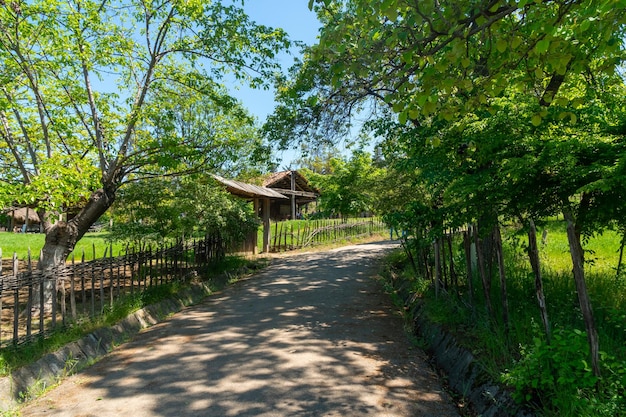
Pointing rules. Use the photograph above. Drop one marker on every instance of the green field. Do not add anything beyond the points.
(20, 244)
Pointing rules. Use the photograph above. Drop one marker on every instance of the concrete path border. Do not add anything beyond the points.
(27, 382)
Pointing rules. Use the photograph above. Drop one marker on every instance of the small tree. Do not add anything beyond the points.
(167, 208)
(347, 189)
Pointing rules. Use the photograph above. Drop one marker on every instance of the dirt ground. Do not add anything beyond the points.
(311, 335)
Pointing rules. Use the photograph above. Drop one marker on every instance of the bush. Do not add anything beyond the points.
(557, 378)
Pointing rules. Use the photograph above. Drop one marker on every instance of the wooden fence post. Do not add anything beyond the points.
(83, 294)
(72, 291)
(1, 292)
(16, 300)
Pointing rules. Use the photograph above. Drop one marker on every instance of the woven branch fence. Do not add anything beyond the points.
(86, 290)
(292, 235)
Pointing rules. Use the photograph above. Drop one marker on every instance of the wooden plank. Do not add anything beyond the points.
(266, 225)
(16, 300)
(1, 292)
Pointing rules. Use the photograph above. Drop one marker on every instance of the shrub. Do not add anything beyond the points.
(557, 378)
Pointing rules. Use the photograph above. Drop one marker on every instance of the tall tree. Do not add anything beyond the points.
(82, 81)
(442, 58)
(433, 61)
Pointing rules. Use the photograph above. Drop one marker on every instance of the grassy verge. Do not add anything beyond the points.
(555, 377)
(216, 278)
(310, 233)
(92, 244)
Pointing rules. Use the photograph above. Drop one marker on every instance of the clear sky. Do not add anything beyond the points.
(301, 24)
(298, 21)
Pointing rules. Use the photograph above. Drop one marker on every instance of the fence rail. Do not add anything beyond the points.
(290, 235)
(34, 304)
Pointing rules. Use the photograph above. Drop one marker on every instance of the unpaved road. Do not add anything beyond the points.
(312, 335)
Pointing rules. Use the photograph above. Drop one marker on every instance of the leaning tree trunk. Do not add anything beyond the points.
(533, 256)
(61, 237)
(577, 255)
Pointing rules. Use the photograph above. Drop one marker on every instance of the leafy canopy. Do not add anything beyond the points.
(442, 59)
(90, 89)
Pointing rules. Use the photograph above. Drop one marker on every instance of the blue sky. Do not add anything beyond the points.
(301, 24)
(298, 21)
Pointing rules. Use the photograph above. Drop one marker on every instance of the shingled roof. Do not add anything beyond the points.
(281, 182)
(243, 189)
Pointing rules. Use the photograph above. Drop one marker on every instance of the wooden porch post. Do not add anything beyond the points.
(255, 244)
(266, 225)
(293, 196)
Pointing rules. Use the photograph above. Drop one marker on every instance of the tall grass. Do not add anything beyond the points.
(500, 350)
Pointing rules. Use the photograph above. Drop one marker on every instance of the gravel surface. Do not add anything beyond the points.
(311, 335)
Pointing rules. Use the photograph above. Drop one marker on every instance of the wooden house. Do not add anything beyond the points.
(282, 196)
(294, 186)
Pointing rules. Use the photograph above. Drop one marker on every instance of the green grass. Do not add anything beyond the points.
(20, 243)
(303, 233)
(16, 357)
(500, 352)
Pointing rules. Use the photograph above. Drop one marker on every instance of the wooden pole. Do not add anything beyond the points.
(266, 225)
(255, 245)
(293, 196)
(72, 293)
(533, 255)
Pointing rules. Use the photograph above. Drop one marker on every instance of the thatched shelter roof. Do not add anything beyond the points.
(19, 214)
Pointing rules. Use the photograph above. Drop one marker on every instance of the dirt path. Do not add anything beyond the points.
(312, 335)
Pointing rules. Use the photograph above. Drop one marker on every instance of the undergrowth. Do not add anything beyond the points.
(553, 378)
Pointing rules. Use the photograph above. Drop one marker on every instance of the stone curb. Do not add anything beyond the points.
(31, 379)
(465, 375)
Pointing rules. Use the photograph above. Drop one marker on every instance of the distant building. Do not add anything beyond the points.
(296, 187)
(282, 196)
(23, 219)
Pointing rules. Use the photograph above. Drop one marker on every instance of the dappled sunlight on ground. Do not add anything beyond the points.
(310, 336)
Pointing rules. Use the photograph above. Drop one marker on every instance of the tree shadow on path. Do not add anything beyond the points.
(312, 335)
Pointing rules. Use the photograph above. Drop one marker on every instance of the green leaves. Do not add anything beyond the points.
(400, 53)
(163, 208)
(348, 189)
(95, 94)
(542, 46)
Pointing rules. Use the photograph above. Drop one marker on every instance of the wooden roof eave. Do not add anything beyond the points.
(296, 193)
(241, 189)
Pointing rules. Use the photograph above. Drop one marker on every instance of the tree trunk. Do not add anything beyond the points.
(483, 275)
(61, 237)
(437, 250)
(453, 278)
(533, 256)
(467, 246)
(618, 270)
(577, 255)
(503, 293)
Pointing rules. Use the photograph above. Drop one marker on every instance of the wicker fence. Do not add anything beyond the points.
(298, 234)
(85, 290)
